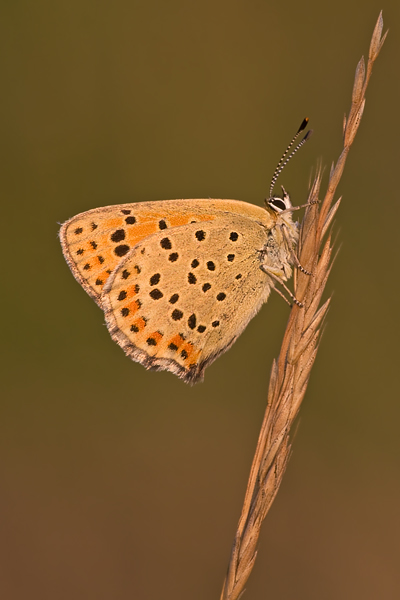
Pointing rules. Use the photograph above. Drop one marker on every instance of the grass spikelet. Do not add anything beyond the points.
(291, 371)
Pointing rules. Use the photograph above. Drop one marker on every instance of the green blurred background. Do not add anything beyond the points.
(120, 483)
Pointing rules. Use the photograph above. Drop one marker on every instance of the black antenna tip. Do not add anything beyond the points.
(308, 135)
(303, 125)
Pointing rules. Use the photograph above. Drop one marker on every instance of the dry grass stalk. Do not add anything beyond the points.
(291, 372)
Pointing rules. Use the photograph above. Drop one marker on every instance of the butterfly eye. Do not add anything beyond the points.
(277, 204)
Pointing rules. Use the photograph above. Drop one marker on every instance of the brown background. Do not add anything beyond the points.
(119, 483)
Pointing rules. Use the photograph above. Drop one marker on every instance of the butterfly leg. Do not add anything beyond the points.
(270, 272)
(299, 266)
(293, 208)
(293, 253)
(282, 295)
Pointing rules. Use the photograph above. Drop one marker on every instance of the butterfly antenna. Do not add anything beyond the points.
(283, 161)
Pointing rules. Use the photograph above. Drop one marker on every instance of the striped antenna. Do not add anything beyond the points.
(284, 161)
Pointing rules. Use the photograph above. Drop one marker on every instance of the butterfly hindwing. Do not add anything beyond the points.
(181, 296)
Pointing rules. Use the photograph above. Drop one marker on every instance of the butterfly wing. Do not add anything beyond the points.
(95, 242)
(180, 298)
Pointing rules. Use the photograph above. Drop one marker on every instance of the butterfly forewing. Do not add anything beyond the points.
(95, 241)
(182, 296)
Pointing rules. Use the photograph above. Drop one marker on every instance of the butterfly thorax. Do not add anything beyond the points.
(282, 240)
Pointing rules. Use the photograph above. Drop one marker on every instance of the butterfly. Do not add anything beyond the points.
(179, 280)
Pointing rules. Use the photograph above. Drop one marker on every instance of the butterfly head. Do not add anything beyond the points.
(279, 204)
